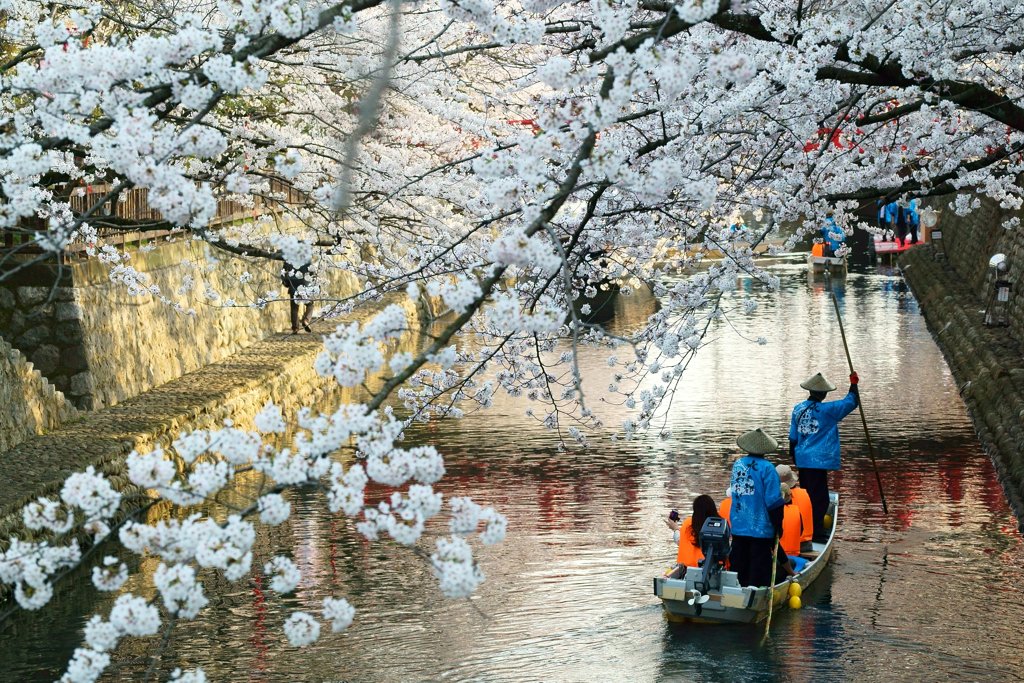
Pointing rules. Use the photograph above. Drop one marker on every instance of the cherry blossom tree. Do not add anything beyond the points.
(507, 158)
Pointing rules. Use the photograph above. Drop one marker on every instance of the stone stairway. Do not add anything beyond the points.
(279, 369)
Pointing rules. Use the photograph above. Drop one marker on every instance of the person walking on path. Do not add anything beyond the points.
(756, 513)
(293, 279)
(913, 220)
(814, 442)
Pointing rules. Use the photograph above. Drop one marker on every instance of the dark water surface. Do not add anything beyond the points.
(931, 592)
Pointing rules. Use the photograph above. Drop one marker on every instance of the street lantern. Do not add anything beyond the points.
(997, 312)
(930, 218)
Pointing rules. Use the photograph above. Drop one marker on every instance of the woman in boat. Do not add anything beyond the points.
(690, 553)
(788, 556)
(725, 507)
(814, 442)
(802, 501)
(792, 523)
(756, 514)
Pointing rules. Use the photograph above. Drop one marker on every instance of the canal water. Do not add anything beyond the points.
(931, 591)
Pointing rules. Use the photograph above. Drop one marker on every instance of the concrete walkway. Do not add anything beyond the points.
(237, 387)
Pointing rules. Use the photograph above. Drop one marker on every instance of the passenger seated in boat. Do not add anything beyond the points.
(802, 500)
(756, 512)
(689, 544)
(784, 567)
(726, 505)
(792, 523)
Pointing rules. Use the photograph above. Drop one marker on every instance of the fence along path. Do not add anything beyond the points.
(133, 205)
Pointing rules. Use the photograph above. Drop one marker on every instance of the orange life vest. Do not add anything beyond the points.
(803, 501)
(792, 528)
(724, 508)
(689, 554)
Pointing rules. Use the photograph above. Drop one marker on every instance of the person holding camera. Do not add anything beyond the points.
(690, 553)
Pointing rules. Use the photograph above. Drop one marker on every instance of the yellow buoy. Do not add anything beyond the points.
(828, 520)
(794, 602)
(795, 590)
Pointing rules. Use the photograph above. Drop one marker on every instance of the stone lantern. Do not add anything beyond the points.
(997, 308)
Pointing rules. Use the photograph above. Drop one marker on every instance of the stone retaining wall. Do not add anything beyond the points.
(101, 345)
(279, 369)
(969, 241)
(43, 323)
(29, 404)
(987, 362)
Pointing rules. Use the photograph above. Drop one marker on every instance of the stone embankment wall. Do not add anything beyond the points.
(29, 404)
(278, 369)
(101, 345)
(43, 323)
(952, 282)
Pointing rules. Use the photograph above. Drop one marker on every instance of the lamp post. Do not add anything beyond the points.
(929, 219)
(997, 310)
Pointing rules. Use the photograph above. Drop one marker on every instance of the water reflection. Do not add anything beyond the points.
(928, 592)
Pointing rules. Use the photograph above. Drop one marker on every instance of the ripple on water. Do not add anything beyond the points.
(929, 591)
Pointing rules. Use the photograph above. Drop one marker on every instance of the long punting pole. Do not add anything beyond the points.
(860, 404)
(771, 588)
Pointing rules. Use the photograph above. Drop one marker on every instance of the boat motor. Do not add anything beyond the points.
(715, 542)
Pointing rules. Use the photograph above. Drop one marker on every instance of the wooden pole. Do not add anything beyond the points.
(860, 403)
(771, 588)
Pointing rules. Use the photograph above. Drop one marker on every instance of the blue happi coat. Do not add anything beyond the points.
(814, 429)
(755, 491)
(892, 210)
(833, 234)
(913, 215)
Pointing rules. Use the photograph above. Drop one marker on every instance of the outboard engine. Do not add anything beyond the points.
(715, 542)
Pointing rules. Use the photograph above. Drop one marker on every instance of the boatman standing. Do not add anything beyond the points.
(756, 513)
(814, 442)
(833, 236)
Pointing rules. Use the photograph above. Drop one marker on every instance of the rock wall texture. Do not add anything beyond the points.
(29, 404)
(43, 323)
(279, 369)
(101, 345)
(952, 282)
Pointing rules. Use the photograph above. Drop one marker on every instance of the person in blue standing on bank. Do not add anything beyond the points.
(814, 442)
(757, 508)
(833, 235)
(892, 211)
(913, 220)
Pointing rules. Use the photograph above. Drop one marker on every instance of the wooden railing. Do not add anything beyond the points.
(133, 206)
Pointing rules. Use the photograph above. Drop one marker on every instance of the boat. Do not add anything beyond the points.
(689, 597)
(820, 263)
(836, 265)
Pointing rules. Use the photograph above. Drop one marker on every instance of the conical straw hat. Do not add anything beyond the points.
(757, 442)
(818, 383)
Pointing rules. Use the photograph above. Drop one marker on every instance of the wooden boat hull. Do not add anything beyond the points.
(734, 603)
(833, 264)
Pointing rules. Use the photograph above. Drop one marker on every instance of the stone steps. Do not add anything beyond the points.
(32, 405)
(279, 368)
